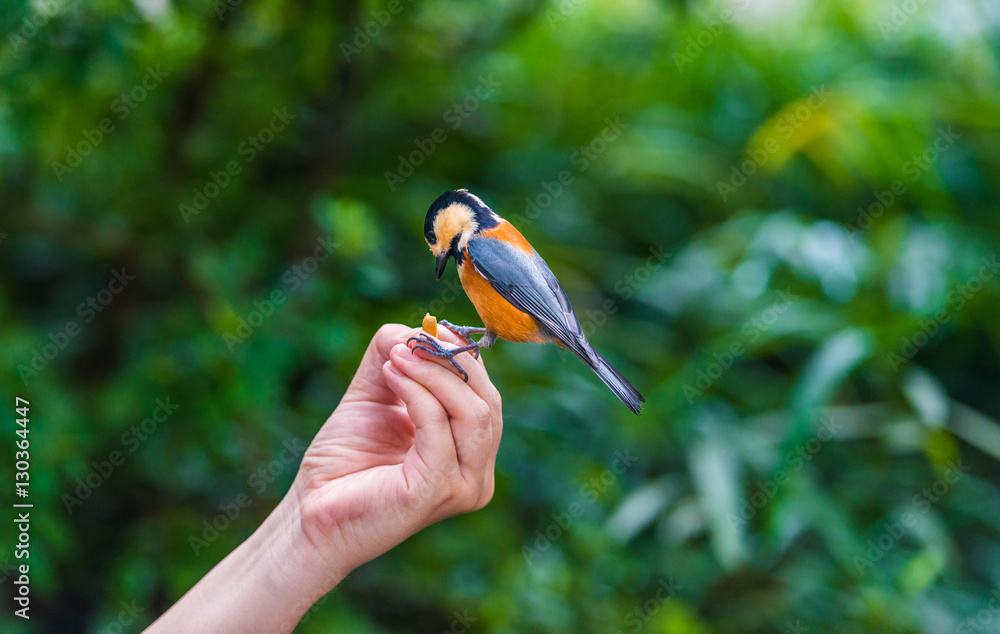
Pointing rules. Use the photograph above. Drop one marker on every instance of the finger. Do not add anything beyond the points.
(489, 478)
(444, 334)
(470, 415)
(391, 335)
(370, 369)
(447, 335)
(432, 441)
(479, 380)
(466, 359)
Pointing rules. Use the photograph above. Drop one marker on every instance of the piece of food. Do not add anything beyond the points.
(430, 325)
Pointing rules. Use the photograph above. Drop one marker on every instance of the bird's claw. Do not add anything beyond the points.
(463, 332)
(431, 346)
(421, 337)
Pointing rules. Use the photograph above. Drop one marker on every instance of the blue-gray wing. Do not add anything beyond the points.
(526, 281)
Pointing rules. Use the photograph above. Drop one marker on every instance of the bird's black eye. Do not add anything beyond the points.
(431, 238)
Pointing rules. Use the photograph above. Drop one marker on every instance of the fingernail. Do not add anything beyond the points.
(404, 354)
(394, 369)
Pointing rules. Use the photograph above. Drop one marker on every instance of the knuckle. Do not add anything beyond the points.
(419, 495)
(452, 490)
(486, 496)
(470, 498)
(481, 411)
(391, 333)
(459, 495)
(414, 497)
(314, 519)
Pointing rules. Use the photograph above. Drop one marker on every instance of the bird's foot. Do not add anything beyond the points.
(431, 346)
(464, 332)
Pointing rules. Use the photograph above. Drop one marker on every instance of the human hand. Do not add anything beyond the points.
(410, 443)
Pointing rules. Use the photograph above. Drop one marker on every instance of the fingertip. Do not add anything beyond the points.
(389, 368)
(398, 382)
(409, 361)
(391, 335)
(416, 354)
(402, 353)
(390, 332)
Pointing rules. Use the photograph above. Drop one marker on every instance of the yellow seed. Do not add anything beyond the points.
(430, 325)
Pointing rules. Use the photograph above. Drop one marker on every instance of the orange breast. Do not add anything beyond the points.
(497, 313)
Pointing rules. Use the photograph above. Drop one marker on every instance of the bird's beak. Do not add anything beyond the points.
(442, 262)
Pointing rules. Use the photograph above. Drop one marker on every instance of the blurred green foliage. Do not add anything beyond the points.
(779, 219)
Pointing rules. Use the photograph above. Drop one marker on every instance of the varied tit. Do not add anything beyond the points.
(511, 286)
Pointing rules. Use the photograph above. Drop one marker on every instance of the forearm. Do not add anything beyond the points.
(266, 585)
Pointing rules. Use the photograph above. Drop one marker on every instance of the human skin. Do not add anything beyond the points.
(409, 444)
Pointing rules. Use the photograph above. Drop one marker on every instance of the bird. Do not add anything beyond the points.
(512, 288)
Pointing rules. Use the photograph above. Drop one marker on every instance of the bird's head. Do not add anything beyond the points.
(451, 221)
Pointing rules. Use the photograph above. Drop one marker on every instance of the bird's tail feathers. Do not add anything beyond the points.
(611, 377)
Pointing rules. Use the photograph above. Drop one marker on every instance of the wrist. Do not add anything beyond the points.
(266, 585)
(300, 573)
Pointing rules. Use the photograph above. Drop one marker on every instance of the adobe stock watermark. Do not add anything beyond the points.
(449, 294)
(696, 44)
(591, 320)
(44, 10)
(638, 617)
(130, 440)
(248, 149)
(461, 622)
(589, 491)
(7, 569)
(760, 154)
(913, 169)
(955, 301)
(126, 617)
(629, 285)
(290, 456)
(893, 532)
(59, 339)
(563, 11)
(792, 462)
(750, 331)
(123, 107)
(794, 628)
(983, 618)
(291, 280)
(454, 117)
(626, 288)
(900, 15)
(370, 30)
(581, 159)
(309, 604)
(225, 7)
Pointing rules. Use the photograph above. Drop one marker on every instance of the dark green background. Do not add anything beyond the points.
(823, 263)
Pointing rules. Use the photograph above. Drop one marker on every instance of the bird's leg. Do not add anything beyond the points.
(431, 346)
(464, 332)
